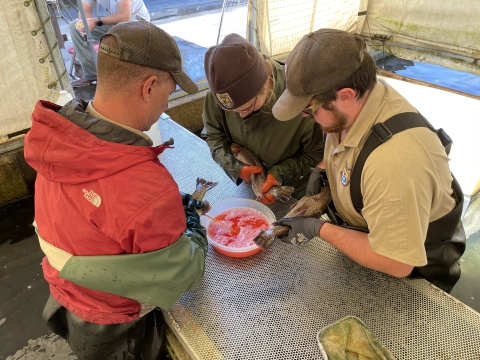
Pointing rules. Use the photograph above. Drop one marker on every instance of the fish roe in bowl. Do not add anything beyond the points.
(232, 225)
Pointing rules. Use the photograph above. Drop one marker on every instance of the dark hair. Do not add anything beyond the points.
(361, 81)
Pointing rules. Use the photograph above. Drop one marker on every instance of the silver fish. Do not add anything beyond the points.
(311, 206)
(245, 156)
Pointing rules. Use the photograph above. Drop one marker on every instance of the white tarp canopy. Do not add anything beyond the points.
(280, 24)
(26, 67)
(445, 33)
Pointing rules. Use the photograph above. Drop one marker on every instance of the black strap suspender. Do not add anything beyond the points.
(382, 132)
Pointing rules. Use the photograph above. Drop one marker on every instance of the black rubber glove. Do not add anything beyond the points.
(318, 178)
(195, 231)
(189, 202)
(302, 229)
(190, 205)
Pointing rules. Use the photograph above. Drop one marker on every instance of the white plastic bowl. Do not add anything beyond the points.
(236, 203)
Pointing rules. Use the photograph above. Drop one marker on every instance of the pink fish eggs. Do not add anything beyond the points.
(237, 227)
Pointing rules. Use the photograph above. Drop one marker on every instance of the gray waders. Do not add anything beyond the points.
(143, 338)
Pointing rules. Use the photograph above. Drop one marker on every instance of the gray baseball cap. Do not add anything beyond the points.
(143, 43)
(320, 61)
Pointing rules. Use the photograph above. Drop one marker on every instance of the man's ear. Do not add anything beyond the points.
(148, 87)
(345, 97)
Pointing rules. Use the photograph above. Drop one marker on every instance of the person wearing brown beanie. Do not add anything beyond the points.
(244, 85)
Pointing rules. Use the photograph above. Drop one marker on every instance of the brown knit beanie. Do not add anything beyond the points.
(235, 71)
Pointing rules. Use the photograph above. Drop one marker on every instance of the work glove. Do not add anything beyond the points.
(302, 229)
(267, 185)
(249, 170)
(318, 178)
(189, 202)
(190, 205)
(195, 231)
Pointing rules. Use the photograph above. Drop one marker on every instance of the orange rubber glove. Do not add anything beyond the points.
(269, 183)
(267, 199)
(247, 171)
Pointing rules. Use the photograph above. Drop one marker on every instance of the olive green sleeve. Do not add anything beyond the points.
(219, 139)
(158, 277)
(306, 158)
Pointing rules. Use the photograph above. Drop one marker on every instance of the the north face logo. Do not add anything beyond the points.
(93, 197)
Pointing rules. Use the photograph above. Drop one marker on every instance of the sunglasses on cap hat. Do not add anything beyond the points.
(312, 109)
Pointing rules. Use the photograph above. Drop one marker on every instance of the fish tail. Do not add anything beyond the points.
(202, 187)
(206, 184)
(286, 192)
(282, 193)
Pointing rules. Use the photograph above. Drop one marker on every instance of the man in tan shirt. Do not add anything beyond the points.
(407, 217)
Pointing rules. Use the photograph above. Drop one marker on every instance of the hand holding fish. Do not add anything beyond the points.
(309, 206)
(202, 187)
(318, 178)
(267, 185)
(193, 204)
(257, 180)
(302, 229)
(247, 171)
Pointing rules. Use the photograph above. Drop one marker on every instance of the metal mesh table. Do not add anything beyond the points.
(271, 305)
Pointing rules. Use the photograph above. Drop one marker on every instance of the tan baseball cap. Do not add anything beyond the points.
(143, 43)
(320, 60)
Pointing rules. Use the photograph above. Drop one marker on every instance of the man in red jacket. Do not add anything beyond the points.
(120, 241)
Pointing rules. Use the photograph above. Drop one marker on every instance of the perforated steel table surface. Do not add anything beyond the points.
(271, 305)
